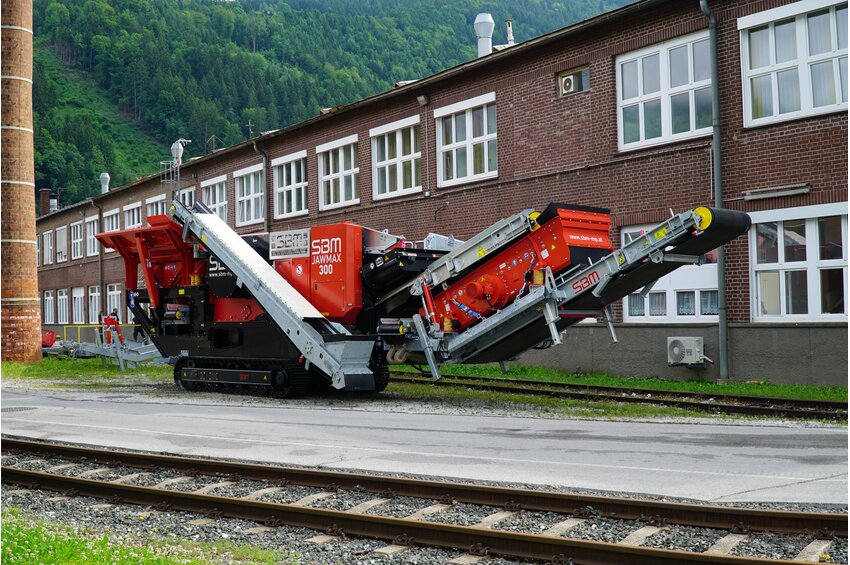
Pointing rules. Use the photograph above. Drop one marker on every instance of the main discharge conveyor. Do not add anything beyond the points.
(334, 305)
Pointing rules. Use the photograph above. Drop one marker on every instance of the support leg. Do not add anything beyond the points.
(419, 324)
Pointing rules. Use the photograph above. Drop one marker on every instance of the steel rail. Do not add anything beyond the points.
(538, 390)
(412, 532)
(615, 390)
(702, 515)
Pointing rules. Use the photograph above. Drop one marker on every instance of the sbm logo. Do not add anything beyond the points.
(586, 281)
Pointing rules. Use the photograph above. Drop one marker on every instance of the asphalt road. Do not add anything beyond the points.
(718, 462)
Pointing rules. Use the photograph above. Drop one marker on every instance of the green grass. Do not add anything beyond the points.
(81, 370)
(28, 540)
(528, 372)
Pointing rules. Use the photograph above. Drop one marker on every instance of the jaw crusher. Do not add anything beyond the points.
(335, 305)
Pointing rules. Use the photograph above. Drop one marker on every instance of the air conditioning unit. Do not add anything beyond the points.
(685, 351)
(566, 84)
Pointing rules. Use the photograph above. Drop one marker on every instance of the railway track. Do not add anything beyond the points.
(716, 403)
(484, 537)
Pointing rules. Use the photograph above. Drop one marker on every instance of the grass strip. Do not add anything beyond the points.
(80, 370)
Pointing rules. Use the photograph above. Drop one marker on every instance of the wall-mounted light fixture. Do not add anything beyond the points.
(423, 100)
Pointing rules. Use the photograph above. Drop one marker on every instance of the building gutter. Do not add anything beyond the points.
(99, 256)
(723, 340)
(267, 181)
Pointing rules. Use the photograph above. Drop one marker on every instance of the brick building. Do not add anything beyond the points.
(615, 111)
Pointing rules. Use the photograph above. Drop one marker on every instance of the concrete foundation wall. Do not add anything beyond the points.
(793, 354)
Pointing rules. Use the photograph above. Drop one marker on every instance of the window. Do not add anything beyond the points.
(466, 141)
(78, 305)
(339, 173)
(92, 227)
(94, 304)
(133, 216)
(799, 261)
(49, 308)
(290, 185)
(214, 195)
(157, 206)
(571, 82)
(62, 244)
(111, 221)
(113, 297)
(76, 240)
(47, 248)
(794, 61)
(689, 294)
(664, 92)
(187, 197)
(250, 195)
(62, 306)
(396, 159)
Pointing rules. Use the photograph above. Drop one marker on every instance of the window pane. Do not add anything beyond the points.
(629, 79)
(416, 139)
(382, 180)
(657, 304)
(349, 189)
(820, 39)
(631, 124)
(759, 42)
(841, 25)
(460, 127)
(794, 240)
(702, 61)
(789, 91)
(832, 291)
(829, 238)
(407, 174)
(768, 285)
(478, 122)
(461, 163)
(448, 165)
(652, 119)
(492, 156)
(796, 293)
(686, 303)
(767, 250)
(680, 111)
(477, 158)
(491, 118)
(651, 74)
(785, 36)
(702, 103)
(418, 173)
(637, 305)
(679, 66)
(842, 68)
(762, 96)
(347, 154)
(405, 141)
(447, 131)
(823, 84)
(391, 148)
(708, 303)
(393, 174)
(382, 148)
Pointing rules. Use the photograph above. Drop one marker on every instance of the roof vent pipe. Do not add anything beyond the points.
(509, 25)
(484, 26)
(54, 202)
(104, 183)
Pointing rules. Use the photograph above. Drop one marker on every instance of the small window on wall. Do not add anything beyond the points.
(47, 247)
(62, 244)
(133, 216)
(187, 197)
(62, 306)
(76, 240)
(49, 308)
(571, 82)
(94, 304)
(92, 244)
(396, 159)
(157, 206)
(799, 263)
(689, 294)
(467, 148)
(290, 185)
(214, 195)
(250, 195)
(339, 173)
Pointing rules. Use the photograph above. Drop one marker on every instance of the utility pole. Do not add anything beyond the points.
(250, 129)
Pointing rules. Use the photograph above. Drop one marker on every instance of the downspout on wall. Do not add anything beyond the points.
(99, 256)
(723, 345)
(267, 181)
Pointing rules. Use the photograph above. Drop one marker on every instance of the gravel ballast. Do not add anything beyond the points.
(685, 537)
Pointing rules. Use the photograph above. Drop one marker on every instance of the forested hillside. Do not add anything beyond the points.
(205, 69)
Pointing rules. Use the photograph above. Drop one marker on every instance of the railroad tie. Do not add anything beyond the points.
(468, 559)
(201, 521)
(173, 481)
(19, 491)
(726, 544)
(208, 488)
(102, 506)
(811, 553)
(59, 499)
(433, 509)
(125, 478)
(493, 519)
(639, 536)
(310, 499)
(258, 493)
(257, 530)
(364, 506)
(561, 528)
(98, 471)
(60, 467)
(391, 549)
(321, 539)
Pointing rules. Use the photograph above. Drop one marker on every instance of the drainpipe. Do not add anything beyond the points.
(723, 340)
(266, 180)
(99, 254)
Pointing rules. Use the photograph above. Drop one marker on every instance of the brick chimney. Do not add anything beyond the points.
(43, 201)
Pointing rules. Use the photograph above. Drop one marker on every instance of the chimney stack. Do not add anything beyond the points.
(509, 24)
(484, 26)
(104, 183)
(43, 200)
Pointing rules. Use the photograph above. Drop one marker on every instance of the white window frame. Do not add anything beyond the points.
(688, 278)
(812, 265)
(94, 304)
(48, 308)
(62, 306)
(133, 215)
(339, 147)
(285, 184)
(799, 11)
(77, 231)
(61, 244)
(113, 297)
(187, 197)
(466, 107)
(92, 244)
(664, 94)
(156, 206)
(383, 169)
(107, 220)
(47, 248)
(250, 190)
(78, 305)
(214, 195)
